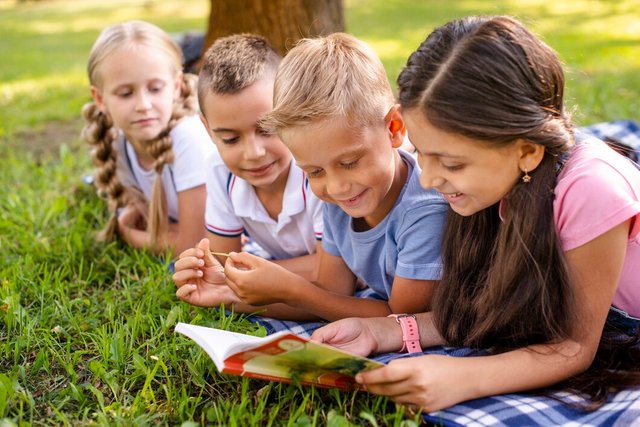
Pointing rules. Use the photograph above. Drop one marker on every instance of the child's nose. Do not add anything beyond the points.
(254, 148)
(336, 186)
(428, 179)
(143, 101)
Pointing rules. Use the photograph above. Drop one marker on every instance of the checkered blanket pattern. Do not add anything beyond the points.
(528, 409)
(624, 131)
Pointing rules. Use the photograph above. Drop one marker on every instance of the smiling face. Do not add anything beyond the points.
(357, 169)
(232, 120)
(137, 88)
(471, 174)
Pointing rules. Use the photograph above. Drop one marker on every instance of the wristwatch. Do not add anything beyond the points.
(410, 332)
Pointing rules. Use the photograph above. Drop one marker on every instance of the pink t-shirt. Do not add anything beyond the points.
(597, 190)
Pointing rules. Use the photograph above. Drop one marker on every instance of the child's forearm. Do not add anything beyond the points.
(333, 306)
(133, 237)
(140, 239)
(524, 369)
(429, 335)
(276, 311)
(304, 266)
(389, 334)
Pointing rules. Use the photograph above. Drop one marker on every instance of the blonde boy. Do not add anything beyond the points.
(335, 111)
(254, 186)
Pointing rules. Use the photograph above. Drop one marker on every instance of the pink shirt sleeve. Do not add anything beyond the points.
(596, 191)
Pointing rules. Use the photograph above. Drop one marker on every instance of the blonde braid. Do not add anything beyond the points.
(162, 152)
(100, 133)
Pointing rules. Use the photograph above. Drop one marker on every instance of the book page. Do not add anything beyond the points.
(219, 344)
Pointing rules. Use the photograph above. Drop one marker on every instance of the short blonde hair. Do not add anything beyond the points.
(333, 76)
(235, 62)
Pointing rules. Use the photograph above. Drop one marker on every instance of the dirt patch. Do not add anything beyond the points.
(47, 138)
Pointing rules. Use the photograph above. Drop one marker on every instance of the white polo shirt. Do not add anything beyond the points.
(193, 153)
(233, 208)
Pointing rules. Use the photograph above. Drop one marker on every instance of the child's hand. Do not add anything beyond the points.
(130, 217)
(355, 335)
(200, 278)
(207, 295)
(256, 280)
(430, 382)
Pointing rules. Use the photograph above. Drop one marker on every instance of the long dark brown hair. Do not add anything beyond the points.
(505, 282)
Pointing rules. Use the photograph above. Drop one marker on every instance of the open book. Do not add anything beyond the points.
(282, 356)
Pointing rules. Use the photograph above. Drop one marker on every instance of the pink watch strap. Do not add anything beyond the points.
(410, 332)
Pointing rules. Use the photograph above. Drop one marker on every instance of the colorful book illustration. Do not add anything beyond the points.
(282, 356)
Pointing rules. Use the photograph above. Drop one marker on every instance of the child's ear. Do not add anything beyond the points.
(395, 126)
(203, 119)
(97, 98)
(530, 153)
(177, 85)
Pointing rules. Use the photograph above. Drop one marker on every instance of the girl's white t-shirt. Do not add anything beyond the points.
(193, 153)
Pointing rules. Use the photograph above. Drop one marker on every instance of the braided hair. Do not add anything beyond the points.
(100, 132)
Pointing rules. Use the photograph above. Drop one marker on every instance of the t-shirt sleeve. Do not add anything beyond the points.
(316, 212)
(593, 200)
(219, 216)
(328, 241)
(420, 241)
(193, 153)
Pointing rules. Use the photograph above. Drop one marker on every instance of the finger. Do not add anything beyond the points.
(325, 334)
(391, 373)
(183, 276)
(243, 259)
(240, 293)
(184, 292)
(207, 256)
(191, 252)
(234, 270)
(410, 402)
(230, 283)
(394, 390)
(190, 262)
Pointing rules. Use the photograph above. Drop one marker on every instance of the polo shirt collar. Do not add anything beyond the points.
(246, 203)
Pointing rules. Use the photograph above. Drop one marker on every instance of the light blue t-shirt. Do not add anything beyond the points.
(407, 243)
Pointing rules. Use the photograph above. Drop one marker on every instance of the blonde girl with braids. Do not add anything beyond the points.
(541, 253)
(149, 147)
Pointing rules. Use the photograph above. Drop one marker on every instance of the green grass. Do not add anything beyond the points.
(86, 330)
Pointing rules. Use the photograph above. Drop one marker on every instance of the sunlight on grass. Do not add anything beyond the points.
(86, 328)
(11, 91)
(599, 42)
(594, 38)
(45, 46)
(30, 103)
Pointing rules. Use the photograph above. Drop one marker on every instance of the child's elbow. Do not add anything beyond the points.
(583, 355)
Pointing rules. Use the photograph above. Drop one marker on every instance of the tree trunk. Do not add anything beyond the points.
(282, 22)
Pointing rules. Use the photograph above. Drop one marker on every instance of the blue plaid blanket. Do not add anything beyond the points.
(528, 409)
(624, 133)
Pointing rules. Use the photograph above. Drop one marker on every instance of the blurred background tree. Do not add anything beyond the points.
(282, 22)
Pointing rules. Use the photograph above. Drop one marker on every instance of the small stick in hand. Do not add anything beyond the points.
(219, 253)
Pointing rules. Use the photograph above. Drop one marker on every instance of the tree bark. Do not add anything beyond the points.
(282, 22)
